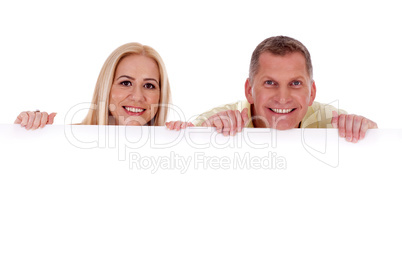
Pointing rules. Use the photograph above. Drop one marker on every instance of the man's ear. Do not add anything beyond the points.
(313, 91)
(248, 90)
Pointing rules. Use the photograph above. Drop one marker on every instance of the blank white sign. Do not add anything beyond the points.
(90, 196)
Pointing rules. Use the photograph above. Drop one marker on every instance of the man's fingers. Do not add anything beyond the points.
(364, 126)
(341, 125)
(353, 127)
(232, 122)
(217, 123)
(239, 121)
(349, 127)
(226, 124)
(334, 121)
(357, 128)
(372, 124)
(209, 121)
(244, 116)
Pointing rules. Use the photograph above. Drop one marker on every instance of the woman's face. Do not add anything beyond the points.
(135, 92)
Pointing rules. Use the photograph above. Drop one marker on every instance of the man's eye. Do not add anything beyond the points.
(296, 83)
(126, 83)
(149, 86)
(269, 82)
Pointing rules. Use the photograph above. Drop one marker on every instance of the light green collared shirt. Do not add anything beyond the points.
(318, 115)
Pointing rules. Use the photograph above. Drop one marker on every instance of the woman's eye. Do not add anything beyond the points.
(149, 86)
(126, 83)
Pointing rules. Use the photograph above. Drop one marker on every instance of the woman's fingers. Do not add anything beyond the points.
(22, 119)
(34, 120)
(51, 118)
(177, 125)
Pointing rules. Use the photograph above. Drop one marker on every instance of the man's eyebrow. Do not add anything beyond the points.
(267, 77)
(298, 77)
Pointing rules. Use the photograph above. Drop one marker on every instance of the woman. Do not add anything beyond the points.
(132, 89)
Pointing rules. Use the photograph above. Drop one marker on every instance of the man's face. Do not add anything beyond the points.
(281, 91)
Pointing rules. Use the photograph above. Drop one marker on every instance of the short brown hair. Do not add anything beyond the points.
(279, 45)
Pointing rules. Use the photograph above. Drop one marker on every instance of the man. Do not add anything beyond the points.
(280, 93)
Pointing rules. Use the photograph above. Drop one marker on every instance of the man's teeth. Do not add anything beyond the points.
(282, 111)
(134, 110)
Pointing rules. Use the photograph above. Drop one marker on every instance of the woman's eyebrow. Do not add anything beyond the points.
(125, 76)
(132, 78)
(152, 79)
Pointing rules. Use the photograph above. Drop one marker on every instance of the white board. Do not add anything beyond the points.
(89, 196)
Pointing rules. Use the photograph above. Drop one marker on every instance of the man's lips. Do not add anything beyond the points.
(282, 111)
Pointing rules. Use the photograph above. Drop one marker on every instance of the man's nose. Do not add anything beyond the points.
(283, 95)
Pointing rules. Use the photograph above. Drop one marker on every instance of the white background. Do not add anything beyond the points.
(51, 52)
(63, 206)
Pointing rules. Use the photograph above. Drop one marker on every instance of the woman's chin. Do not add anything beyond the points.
(132, 121)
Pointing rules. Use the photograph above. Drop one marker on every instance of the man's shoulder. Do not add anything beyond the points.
(327, 108)
(319, 115)
(238, 105)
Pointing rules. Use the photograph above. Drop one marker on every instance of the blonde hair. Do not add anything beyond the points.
(99, 110)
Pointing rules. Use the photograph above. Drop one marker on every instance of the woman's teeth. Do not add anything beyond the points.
(134, 110)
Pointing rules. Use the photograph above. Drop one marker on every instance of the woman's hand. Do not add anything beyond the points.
(34, 120)
(177, 125)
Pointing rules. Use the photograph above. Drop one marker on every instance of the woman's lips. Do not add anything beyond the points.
(136, 111)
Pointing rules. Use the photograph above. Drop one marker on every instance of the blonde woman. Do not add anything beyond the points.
(132, 89)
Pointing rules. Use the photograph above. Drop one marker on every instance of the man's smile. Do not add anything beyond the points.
(282, 111)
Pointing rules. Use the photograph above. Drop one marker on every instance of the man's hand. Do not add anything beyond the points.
(352, 127)
(228, 122)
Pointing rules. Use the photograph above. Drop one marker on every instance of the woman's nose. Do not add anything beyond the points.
(137, 94)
